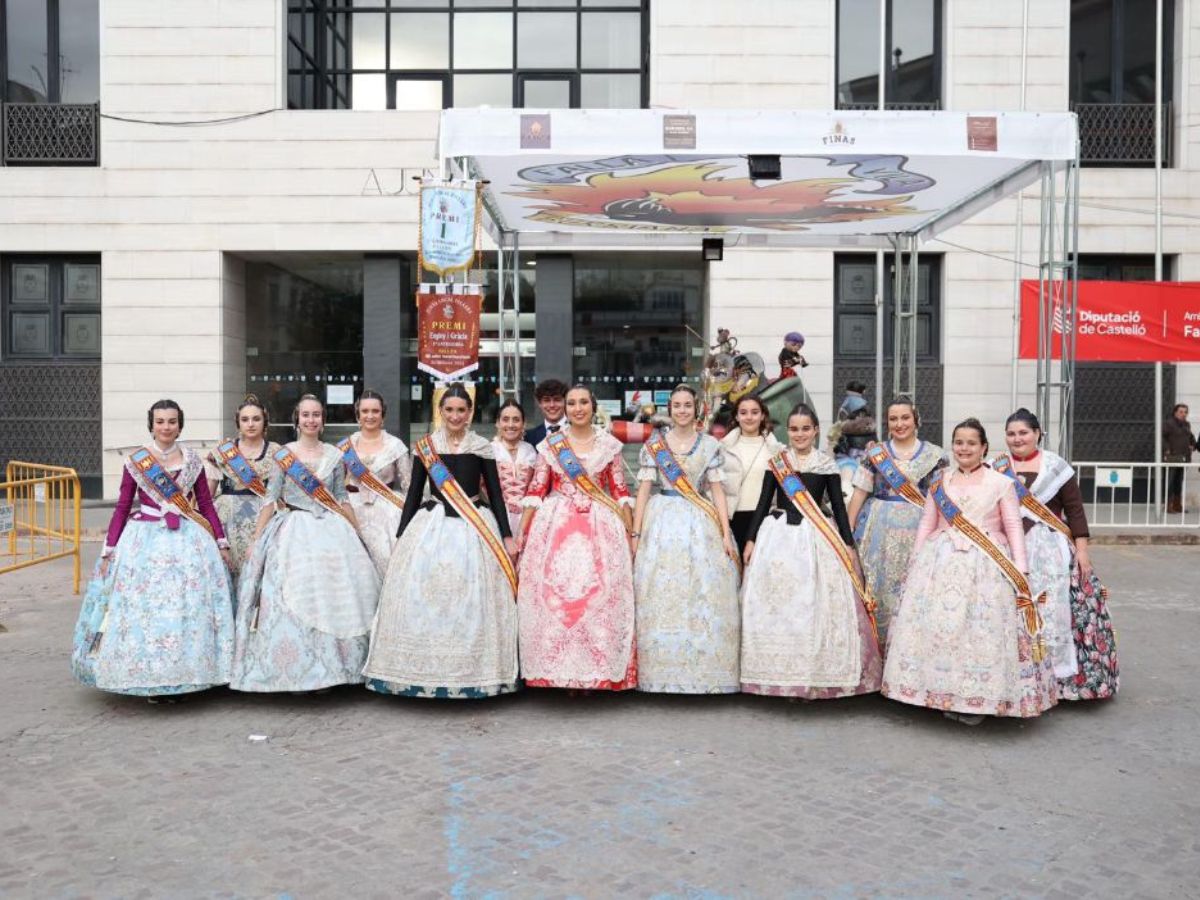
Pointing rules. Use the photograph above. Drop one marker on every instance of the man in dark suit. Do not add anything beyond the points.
(551, 396)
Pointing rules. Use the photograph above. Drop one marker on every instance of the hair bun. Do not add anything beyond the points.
(251, 398)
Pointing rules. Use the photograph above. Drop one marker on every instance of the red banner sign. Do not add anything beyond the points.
(448, 334)
(1122, 321)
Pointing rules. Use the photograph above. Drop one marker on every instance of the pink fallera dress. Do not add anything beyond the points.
(575, 603)
(957, 642)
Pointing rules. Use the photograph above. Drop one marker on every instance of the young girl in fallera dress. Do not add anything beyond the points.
(515, 460)
(576, 597)
(447, 621)
(157, 618)
(1076, 623)
(238, 473)
(890, 485)
(806, 624)
(377, 498)
(308, 588)
(685, 574)
(964, 639)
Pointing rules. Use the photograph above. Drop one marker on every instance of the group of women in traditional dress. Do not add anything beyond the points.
(468, 567)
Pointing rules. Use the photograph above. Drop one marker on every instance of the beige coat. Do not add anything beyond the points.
(735, 475)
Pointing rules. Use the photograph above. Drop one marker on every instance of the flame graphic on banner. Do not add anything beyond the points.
(691, 196)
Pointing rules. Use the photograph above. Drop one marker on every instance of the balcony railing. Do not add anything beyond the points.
(888, 104)
(1120, 134)
(50, 134)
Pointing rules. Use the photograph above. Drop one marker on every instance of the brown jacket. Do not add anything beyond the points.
(1177, 440)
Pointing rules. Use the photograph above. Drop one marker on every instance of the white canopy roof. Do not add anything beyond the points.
(646, 177)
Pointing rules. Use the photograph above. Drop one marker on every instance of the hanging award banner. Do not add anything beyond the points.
(448, 329)
(448, 230)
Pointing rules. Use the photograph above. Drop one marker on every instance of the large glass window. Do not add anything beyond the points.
(1112, 51)
(51, 307)
(50, 51)
(304, 335)
(504, 53)
(913, 77)
(637, 322)
(1112, 80)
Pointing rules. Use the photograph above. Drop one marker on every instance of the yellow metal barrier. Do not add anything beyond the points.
(45, 506)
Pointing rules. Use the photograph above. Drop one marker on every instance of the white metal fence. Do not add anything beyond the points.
(1140, 495)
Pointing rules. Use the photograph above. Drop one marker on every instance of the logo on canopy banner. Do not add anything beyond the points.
(448, 230)
(1121, 321)
(448, 330)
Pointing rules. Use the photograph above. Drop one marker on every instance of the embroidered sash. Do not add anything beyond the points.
(793, 485)
(899, 483)
(561, 447)
(673, 472)
(1004, 466)
(157, 481)
(241, 469)
(1027, 606)
(305, 479)
(443, 479)
(356, 467)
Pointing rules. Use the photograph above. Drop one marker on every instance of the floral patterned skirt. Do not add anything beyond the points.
(688, 617)
(805, 632)
(169, 627)
(1099, 674)
(447, 620)
(300, 564)
(888, 530)
(957, 642)
(239, 516)
(575, 602)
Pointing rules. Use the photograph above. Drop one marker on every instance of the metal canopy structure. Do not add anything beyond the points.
(866, 180)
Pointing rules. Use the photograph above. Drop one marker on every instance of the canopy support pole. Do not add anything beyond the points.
(880, 424)
(1058, 244)
(904, 294)
(508, 307)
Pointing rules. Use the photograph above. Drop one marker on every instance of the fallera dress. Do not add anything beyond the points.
(887, 526)
(576, 600)
(169, 626)
(1078, 630)
(378, 518)
(516, 471)
(447, 620)
(306, 594)
(805, 630)
(237, 505)
(957, 641)
(688, 617)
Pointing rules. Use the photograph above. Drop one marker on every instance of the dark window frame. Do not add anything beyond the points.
(889, 79)
(55, 308)
(933, 307)
(331, 74)
(53, 51)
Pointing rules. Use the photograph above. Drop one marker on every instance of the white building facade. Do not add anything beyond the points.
(202, 235)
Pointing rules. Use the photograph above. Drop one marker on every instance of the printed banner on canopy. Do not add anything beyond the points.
(448, 230)
(448, 329)
(1122, 321)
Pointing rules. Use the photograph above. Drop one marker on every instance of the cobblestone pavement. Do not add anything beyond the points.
(543, 794)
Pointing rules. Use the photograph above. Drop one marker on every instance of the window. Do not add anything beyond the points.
(1112, 79)
(431, 54)
(50, 51)
(913, 79)
(51, 307)
(854, 307)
